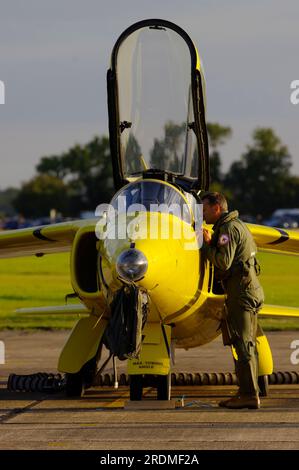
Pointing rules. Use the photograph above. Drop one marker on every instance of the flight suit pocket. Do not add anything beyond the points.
(252, 298)
(226, 333)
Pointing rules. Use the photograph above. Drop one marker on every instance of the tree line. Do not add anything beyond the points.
(81, 178)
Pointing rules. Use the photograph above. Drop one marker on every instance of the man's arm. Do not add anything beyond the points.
(223, 254)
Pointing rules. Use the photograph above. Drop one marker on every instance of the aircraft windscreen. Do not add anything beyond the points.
(151, 196)
(155, 104)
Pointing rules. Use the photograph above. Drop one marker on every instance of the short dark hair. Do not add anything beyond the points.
(216, 198)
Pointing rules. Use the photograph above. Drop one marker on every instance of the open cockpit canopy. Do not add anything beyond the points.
(156, 107)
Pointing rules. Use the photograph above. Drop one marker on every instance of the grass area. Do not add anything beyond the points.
(33, 282)
(280, 280)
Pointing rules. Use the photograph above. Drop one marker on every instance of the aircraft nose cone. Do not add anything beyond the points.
(131, 264)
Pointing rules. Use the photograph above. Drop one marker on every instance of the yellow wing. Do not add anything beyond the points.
(43, 240)
(275, 240)
(40, 240)
(275, 311)
(72, 309)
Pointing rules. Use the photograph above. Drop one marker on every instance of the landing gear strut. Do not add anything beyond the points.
(263, 383)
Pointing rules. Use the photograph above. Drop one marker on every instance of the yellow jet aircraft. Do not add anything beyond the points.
(137, 270)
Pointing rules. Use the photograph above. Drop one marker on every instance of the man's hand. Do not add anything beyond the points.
(206, 236)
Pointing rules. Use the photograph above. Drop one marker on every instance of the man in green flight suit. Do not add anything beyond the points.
(231, 249)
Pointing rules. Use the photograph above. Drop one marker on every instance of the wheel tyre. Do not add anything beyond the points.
(74, 386)
(263, 383)
(136, 386)
(164, 387)
(77, 383)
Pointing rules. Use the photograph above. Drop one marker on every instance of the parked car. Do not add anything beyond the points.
(287, 220)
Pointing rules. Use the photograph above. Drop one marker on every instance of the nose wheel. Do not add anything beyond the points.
(161, 382)
(74, 386)
(136, 386)
(164, 387)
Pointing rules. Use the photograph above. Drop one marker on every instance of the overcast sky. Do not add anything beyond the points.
(54, 56)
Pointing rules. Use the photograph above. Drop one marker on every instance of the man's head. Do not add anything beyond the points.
(214, 204)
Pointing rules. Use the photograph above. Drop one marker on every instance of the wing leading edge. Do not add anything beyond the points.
(275, 240)
(73, 309)
(275, 311)
(280, 241)
(40, 240)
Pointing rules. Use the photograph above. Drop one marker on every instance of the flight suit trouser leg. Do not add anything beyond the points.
(243, 325)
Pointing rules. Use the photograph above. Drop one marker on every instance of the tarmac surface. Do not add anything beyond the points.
(104, 419)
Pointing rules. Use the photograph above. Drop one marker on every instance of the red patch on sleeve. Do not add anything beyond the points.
(223, 239)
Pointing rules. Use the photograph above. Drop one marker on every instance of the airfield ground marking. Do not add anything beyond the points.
(17, 411)
(119, 402)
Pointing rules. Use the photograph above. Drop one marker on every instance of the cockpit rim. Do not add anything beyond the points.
(165, 183)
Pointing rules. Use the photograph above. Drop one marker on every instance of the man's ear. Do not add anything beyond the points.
(218, 209)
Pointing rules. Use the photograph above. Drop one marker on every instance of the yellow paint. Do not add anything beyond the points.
(264, 355)
(82, 344)
(95, 299)
(265, 236)
(279, 311)
(52, 239)
(118, 402)
(265, 360)
(154, 357)
(172, 287)
(198, 64)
